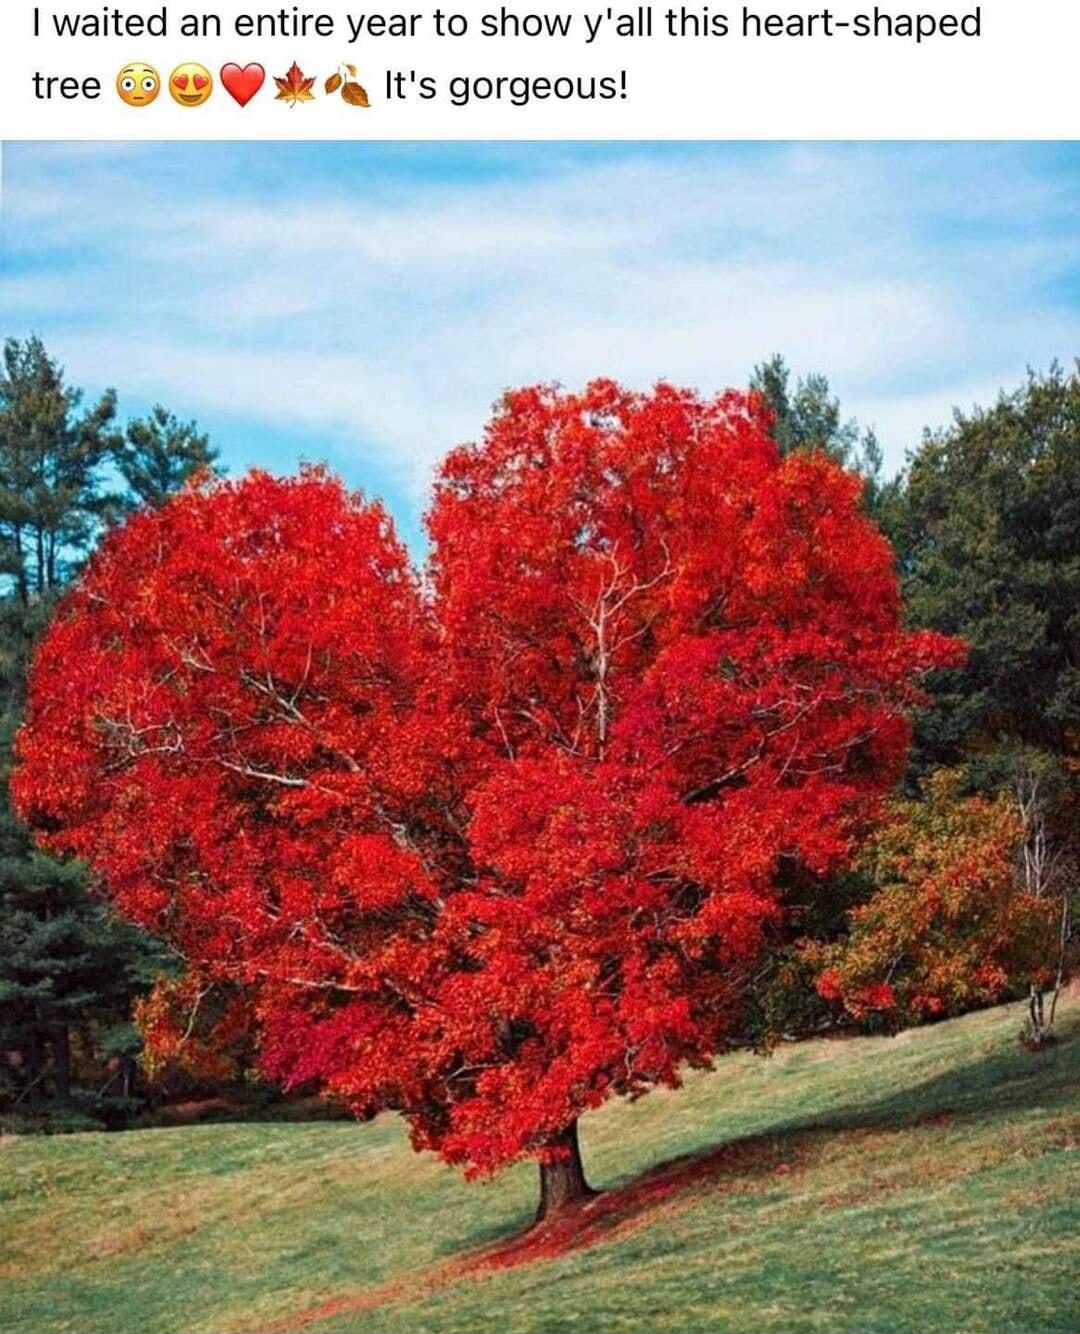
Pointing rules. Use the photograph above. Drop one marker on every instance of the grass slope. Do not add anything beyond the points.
(929, 1182)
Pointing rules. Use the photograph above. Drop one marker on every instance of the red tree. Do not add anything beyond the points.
(492, 848)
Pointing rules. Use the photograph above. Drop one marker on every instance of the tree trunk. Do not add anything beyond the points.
(562, 1181)
(20, 568)
(33, 1068)
(61, 1049)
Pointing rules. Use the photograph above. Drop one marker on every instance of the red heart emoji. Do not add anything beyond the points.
(201, 81)
(242, 84)
(180, 81)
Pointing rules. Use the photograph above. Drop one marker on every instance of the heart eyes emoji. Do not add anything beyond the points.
(190, 84)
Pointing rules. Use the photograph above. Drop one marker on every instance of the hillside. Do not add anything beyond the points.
(929, 1182)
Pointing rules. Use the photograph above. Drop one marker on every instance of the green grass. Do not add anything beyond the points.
(929, 1182)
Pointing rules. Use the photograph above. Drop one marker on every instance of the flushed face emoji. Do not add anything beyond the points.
(190, 84)
(138, 84)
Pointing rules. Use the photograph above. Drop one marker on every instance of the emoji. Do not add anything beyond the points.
(294, 86)
(190, 84)
(138, 84)
(351, 91)
(242, 84)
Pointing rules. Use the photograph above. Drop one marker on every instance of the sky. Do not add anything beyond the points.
(365, 305)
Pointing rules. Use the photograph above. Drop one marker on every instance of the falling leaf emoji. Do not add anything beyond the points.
(351, 91)
(294, 88)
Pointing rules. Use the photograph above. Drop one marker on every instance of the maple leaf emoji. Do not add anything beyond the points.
(293, 87)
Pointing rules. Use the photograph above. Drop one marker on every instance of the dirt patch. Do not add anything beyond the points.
(133, 1239)
(962, 1160)
(410, 1286)
(195, 1111)
(1032, 1199)
(942, 1117)
(1064, 1132)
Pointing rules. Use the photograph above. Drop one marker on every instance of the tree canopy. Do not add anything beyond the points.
(988, 539)
(492, 848)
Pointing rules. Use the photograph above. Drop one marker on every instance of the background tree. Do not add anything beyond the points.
(68, 971)
(986, 521)
(1047, 804)
(987, 529)
(988, 540)
(69, 968)
(494, 855)
(195, 1034)
(807, 415)
(50, 469)
(946, 923)
(158, 454)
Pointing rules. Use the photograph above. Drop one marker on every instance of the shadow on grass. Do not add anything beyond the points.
(1005, 1079)
(988, 1089)
(1000, 1083)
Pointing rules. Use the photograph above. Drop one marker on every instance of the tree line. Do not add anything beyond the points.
(968, 892)
(70, 968)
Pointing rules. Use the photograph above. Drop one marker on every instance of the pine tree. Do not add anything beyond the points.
(51, 456)
(69, 968)
(988, 536)
(807, 416)
(158, 454)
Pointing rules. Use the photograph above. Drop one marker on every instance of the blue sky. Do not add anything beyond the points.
(366, 304)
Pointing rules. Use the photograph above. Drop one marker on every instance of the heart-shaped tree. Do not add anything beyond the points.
(491, 847)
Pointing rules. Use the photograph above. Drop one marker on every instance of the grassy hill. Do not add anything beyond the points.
(929, 1182)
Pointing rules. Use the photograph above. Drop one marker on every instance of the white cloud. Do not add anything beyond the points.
(384, 316)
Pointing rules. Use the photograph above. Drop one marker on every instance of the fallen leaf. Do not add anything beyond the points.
(333, 83)
(294, 87)
(352, 70)
(355, 95)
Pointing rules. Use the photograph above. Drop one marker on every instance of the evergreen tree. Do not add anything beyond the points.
(158, 454)
(988, 536)
(51, 456)
(807, 415)
(69, 968)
